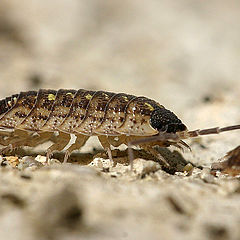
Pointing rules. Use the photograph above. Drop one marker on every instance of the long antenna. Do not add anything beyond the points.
(215, 130)
(163, 136)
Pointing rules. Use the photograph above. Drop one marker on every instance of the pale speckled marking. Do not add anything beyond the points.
(60, 109)
(88, 96)
(40, 112)
(114, 114)
(95, 113)
(91, 113)
(51, 97)
(150, 107)
(77, 111)
(137, 118)
(10, 102)
(5, 106)
(17, 113)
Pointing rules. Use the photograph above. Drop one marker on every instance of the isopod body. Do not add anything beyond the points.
(32, 118)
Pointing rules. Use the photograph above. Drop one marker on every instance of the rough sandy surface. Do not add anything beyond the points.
(184, 54)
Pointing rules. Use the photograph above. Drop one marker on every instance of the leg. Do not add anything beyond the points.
(26, 139)
(182, 144)
(5, 140)
(15, 136)
(38, 139)
(106, 145)
(4, 136)
(61, 141)
(147, 143)
(155, 153)
(80, 141)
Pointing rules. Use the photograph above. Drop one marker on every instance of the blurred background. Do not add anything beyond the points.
(185, 54)
(180, 53)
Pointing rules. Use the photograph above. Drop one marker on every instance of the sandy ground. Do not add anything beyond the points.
(184, 54)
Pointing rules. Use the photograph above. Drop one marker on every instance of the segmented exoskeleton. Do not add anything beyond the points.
(34, 117)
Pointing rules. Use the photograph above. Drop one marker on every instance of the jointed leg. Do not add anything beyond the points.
(61, 141)
(12, 137)
(106, 145)
(180, 145)
(4, 140)
(80, 141)
(155, 153)
(25, 139)
(147, 143)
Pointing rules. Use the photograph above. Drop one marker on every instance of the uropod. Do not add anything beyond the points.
(34, 117)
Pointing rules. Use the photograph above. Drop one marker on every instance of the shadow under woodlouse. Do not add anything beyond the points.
(174, 158)
(35, 116)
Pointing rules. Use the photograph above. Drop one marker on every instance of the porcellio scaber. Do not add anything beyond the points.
(34, 117)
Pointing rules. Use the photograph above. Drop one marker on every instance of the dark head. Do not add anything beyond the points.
(165, 120)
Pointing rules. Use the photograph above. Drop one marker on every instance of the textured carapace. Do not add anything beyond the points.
(34, 117)
(87, 113)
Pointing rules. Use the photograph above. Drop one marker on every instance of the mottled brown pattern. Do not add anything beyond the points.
(12, 101)
(77, 110)
(3, 107)
(81, 112)
(114, 114)
(60, 109)
(7, 103)
(94, 113)
(26, 100)
(40, 112)
(15, 115)
(137, 117)
(142, 105)
(115, 118)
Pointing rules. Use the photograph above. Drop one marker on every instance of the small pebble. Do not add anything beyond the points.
(41, 159)
(29, 162)
(206, 176)
(101, 163)
(142, 167)
(13, 161)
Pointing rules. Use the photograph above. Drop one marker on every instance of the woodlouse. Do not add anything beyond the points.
(32, 118)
